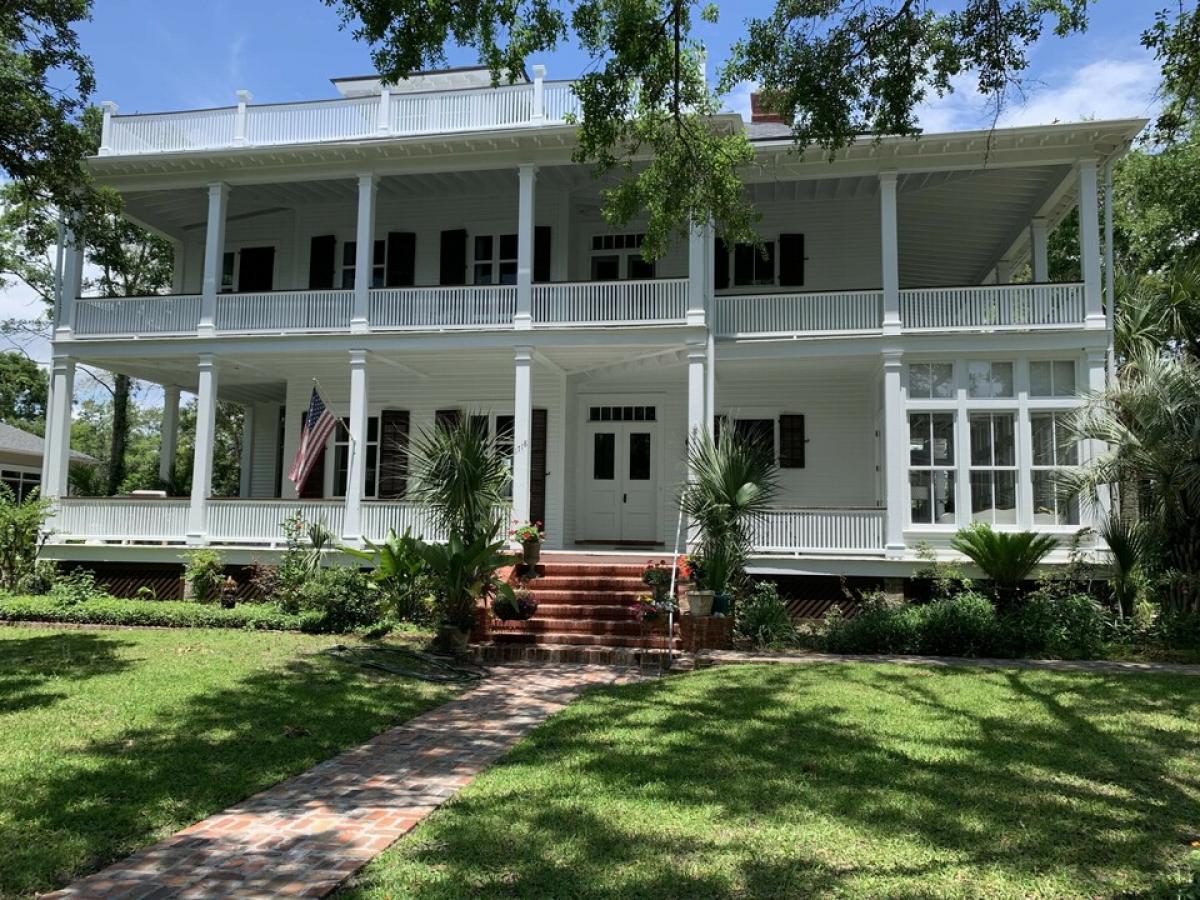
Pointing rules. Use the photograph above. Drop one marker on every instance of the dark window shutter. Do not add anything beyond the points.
(791, 260)
(393, 454)
(537, 466)
(791, 441)
(257, 269)
(314, 485)
(401, 259)
(322, 254)
(447, 418)
(454, 257)
(720, 265)
(743, 264)
(541, 253)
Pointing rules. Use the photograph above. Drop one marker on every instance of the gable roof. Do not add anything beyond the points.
(17, 440)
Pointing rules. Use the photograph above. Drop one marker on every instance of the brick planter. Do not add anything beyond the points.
(706, 633)
(481, 630)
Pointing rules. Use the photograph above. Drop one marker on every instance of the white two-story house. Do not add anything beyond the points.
(429, 250)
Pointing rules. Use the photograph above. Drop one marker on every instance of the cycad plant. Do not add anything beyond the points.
(1006, 558)
(732, 481)
(1130, 548)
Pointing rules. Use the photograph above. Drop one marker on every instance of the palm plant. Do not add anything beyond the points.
(732, 482)
(1150, 422)
(461, 477)
(1129, 546)
(1007, 558)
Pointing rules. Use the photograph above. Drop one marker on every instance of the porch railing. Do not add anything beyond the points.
(259, 522)
(469, 306)
(992, 306)
(820, 530)
(284, 311)
(174, 314)
(651, 301)
(829, 311)
(119, 519)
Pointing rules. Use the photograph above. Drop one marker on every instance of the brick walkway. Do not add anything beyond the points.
(706, 658)
(304, 836)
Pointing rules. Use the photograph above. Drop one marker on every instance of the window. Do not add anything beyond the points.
(228, 271)
(931, 463)
(341, 458)
(931, 381)
(639, 456)
(505, 430)
(1053, 450)
(1052, 378)
(619, 255)
(989, 379)
(752, 265)
(993, 468)
(621, 414)
(792, 441)
(495, 259)
(378, 264)
(604, 454)
(20, 482)
(759, 433)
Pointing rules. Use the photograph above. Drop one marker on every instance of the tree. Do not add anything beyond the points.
(23, 387)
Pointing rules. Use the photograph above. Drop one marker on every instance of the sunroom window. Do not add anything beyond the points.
(989, 379)
(931, 381)
(993, 468)
(1054, 451)
(1052, 378)
(931, 476)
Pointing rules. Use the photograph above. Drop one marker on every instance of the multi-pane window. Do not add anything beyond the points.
(754, 265)
(993, 468)
(1053, 451)
(931, 381)
(616, 256)
(931, 476)
(495, 259)
(1052, 378)
(378, 263)
(20, 482)
(989, 379)
(504, 442)
(758, 433)
(228, 270)
(341, 458)
(621, 413)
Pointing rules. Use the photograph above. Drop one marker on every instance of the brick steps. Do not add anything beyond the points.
(588, 584)
(538, 625)
(584, 598)
(572, 610)
(657, 641)
(652, 660)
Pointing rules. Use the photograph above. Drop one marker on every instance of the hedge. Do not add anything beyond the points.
(163, 613)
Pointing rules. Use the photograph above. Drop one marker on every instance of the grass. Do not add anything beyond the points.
(852, 780)
(110, 740)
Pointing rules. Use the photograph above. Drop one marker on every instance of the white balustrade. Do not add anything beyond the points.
(205, 129)
(380, 516)
(285, 311)
(992, 306)
(652, 301)
(467, 306)
(798, 313)
(311, 123)
(118, 519)
(819, 530)
(559, 100)
(261, 521)
(173, 314)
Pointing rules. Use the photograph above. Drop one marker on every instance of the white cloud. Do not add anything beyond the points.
(738, 99)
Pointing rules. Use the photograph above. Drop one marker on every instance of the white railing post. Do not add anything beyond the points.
(214, 254)
(239, 122)
(538, 113)
(527, 178)
(1089, 243)
(895, 447)
(110, 110)
(57, 460)
(890, 250)
(202, 465)
(169, 440)
(364, 253)
(697, 275)
(384, 124)
(1039, 241)
(522, 433)
(356, 469)
(71, 285)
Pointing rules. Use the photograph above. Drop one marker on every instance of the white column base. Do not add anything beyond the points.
(523, 321)
(359, 326)
(206, 330)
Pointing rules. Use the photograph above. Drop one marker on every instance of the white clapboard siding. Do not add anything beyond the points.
(468, 306)
(285, 311)
(611, 302)
(816, 530)
(799, 313)
(992, 306)
(177, 314)
(113, 519)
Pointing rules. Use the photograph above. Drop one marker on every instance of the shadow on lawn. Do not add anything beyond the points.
(102, 800)
(895, 775)
(27, 663)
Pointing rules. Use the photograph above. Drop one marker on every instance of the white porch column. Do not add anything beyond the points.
(890, 251)
(895, 449)
(527, 177)
(1097, 376)
(246, 468)
(71, 285)
(57, 460)
(169, 439)
(522, 433)
(356, 470)
(1004, 271)
(697, 408)
(1089, 243)
(697, 275)
(214, 254)
(1039, 255)
(202, 465)
(364, 253)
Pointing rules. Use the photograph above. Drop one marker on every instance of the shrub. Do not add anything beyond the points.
(401, 574)
(339, 599)
(20, 536)
(880, 627)
(161, 613)
(204, 574)
(1180, 629)
(963, 625)
(945, 578)
(1072, 626)
(763, 618)
(38, 580)
(301, 560)
(76, 586)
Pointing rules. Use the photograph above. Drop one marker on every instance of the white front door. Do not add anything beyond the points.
(619, 490)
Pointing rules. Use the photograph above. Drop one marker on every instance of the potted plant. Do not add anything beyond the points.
(657, 577)
(699, 595)
(651, 610)
(529, 535)
(515, 606)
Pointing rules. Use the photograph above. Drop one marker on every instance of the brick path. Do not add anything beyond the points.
(707, 658)
(304, 836)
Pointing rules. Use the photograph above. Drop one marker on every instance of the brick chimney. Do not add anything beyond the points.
(760, 113)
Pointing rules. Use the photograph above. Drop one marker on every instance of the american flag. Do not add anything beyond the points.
(318, 423)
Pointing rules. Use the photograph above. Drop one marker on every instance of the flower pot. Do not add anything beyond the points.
(700, 603)
(722, 604)
(452, 639)
(531, 552)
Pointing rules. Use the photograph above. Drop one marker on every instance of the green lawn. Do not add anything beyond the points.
(112, 739)
(833, 780)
